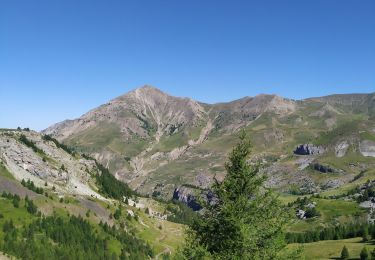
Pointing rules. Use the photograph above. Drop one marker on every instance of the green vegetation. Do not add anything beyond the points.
(364, 254)
(344, 253)
(4, 172)
(226, 229)
(58, 144)
(107, 136)
(180, 213)
(31, 186)
(346, 128)
(331, 249)
(334, 233)
(69, 238)
(110, 186)
(26, 234)
(23, 139)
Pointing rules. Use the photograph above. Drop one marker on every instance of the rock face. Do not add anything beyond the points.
(53, 165)
(186, 196)
(367, 148)
(308, 149)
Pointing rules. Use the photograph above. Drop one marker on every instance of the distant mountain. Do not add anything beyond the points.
(158, 143)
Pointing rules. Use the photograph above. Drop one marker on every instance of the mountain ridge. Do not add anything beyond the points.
(145, 136)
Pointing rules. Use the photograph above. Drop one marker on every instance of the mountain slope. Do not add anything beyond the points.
(65, 186)
(156, 142)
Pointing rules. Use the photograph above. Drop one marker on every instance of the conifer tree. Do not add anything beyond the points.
(344, 253)
(373, 254)
(246, 221)
(364, 254)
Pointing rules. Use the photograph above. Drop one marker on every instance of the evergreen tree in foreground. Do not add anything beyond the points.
(246, 221)
(364, 254)
(344, 253)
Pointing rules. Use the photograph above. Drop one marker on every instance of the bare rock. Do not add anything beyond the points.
(341, 148)
(367, 148)
(309, 149)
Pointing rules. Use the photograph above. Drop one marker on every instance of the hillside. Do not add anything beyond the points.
(157, 143)
(40, 177)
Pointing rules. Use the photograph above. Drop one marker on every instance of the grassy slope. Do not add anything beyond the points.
(331, 249)
(4, 172)
(332, 212)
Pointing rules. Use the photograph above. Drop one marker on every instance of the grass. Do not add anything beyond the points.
(181, 138)
(331, 249)
(367, 136)
(19, 215)
(331, 209)
(332, 212)
(107, 136)
(4, 172)
(368, 175)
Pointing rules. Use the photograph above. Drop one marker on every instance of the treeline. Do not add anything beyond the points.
(23, 139)
(31, 186)
(59, 145)
(365, 230)
(110, 186)
(69, 238)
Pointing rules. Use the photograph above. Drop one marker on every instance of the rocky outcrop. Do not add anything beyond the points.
(332, 184)
(341, 149)
(192, 196)
(186, 195)
(367, 148)
(308, 149)
(49, 164)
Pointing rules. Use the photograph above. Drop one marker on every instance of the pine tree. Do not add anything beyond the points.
(373, 254)
(245, 222)
(344, 253)
(364, 254)
(365, 234)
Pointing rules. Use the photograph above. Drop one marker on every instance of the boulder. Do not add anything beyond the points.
(322, 168)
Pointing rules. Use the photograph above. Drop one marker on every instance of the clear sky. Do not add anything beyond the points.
(58, 59)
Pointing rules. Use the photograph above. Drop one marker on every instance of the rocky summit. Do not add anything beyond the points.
(158, 143)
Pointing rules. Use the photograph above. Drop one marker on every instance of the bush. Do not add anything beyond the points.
(364, 254)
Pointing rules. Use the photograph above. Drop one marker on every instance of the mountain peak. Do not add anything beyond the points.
(142, 92)
(148, 88)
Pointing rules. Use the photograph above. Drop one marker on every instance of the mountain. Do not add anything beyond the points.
(30, 157)
(82, 204)
(157, 143)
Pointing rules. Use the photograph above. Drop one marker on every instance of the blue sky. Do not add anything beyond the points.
(58, 59)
